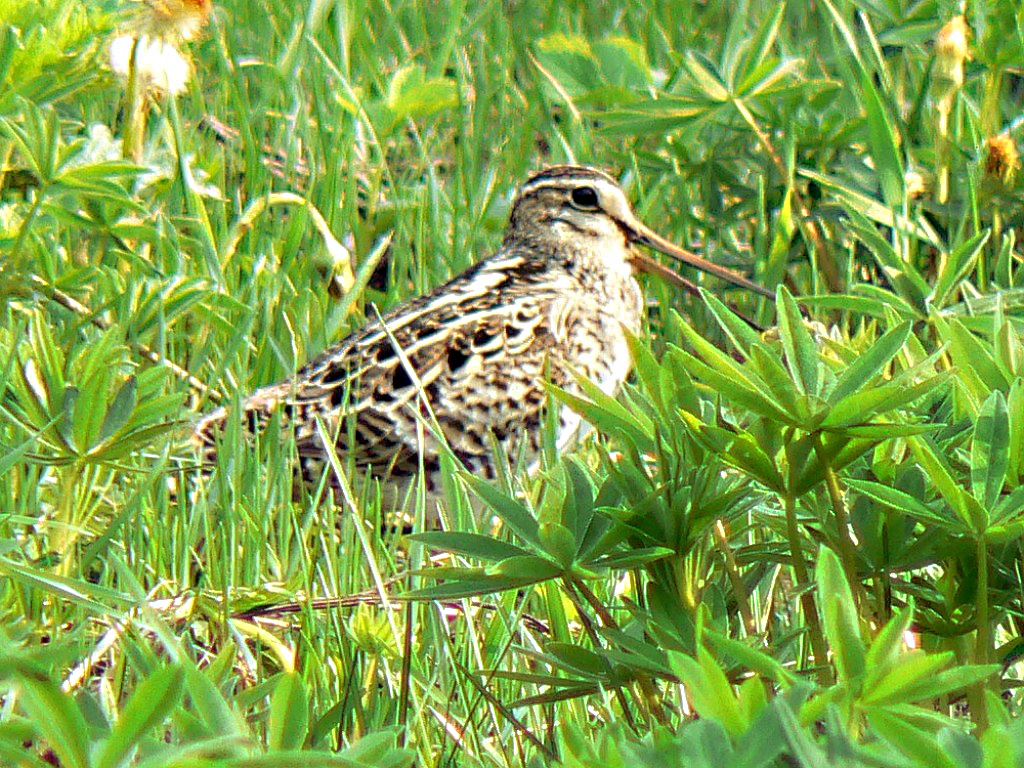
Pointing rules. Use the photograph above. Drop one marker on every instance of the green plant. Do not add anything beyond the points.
(764, 518)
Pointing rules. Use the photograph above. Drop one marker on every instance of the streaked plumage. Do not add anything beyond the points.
(558, 296)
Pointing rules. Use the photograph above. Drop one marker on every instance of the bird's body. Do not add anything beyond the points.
(471, 358)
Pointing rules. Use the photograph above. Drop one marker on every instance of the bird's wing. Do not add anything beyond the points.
(472, 355)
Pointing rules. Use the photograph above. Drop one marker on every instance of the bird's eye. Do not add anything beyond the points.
(585, 198)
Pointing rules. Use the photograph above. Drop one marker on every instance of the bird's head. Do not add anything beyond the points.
(587, 208)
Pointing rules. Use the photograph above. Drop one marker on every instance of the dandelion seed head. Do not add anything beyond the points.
(160, 66)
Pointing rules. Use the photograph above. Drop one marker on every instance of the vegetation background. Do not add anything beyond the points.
(796, 547)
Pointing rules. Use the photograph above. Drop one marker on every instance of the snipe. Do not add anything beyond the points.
(470, 358)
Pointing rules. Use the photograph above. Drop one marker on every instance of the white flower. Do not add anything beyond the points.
(159, 65)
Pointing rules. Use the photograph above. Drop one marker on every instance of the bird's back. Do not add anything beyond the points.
(470, 359)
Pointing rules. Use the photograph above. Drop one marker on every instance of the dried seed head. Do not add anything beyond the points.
(951, 44)
(159, 65)
(1001, 158)
(952, 48)
(175, 21)
(916, 184)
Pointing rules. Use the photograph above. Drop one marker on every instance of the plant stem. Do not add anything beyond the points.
(983, 637)
(846, 547)
(27, 224)
(647, 687)
(136, 114)
(588, 627)
(738, 587)
(796, 555)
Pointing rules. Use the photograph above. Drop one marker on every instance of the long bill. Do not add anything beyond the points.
(642, 234)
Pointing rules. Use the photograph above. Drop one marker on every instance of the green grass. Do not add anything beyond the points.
(760, 520)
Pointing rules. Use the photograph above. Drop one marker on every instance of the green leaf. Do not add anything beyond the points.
(469, 544)
(515, 515)
(990, 450)
(742, 336)
(558, 543)
(631, 558)
(910, 285)
(956, 267)
(68, 407)
(120, 410)
(752, 658)
(953, 680)
(578, 506)
(839, 612)
(1015, 412)
(577, 659)
(969, 353)
(14, 456)
(570, 61)
(623, 62)
(885, 430)
(289, 713)
(708, 689)
(94, 598)
(867, 364)
(801, 351)
(768, 365)
(1003, 532)
(941, 476)
(635, 651)
(527, 569)
(484, 585)
(1009, 349)
(704, 77)
(58, 720)
(767, 78)
(859, 206)
(895, 683)
(212, 710)
(149, 706)
(863, 405)
(883, 144)
(847, 34)
(90, 409)
(656, 116)
(728, 378)
(901, 502)
(910, 740)
(890, 302)
(747, 454)
(1010, 508)
(846, 303)
(412, 96)
(859, 407)
(379, 750)
(887, 646)
(607, 414)
(800, 742)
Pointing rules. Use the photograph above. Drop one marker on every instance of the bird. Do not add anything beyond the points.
(469, 363)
